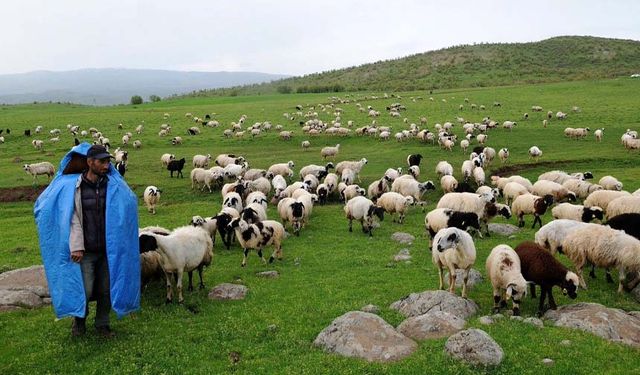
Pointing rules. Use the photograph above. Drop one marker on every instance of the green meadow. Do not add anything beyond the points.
(326, 271)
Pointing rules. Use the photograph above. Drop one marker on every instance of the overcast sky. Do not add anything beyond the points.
(290, 36)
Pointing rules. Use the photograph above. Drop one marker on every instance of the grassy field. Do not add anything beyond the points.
(326, 271)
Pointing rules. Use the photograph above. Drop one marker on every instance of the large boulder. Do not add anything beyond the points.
(611, 324)
(31, 279)
(364, 335)
(435, 300)
(19, 298)
(227, 291)
(475, 278)
(432, 325)
(475, 347)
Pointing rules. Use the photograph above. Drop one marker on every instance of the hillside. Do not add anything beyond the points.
(565, 58)
(115, 86)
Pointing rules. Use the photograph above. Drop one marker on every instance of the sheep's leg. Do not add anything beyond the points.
(516, 308)
(441, 277)
(464, 284)
(244, 259)
(583, 284)
(169, 294)
(190, 287)
(201, 285)
(401, 218)
(608, 274)
(179, 286)
(532, 290)
(552, 302)
(521, 220)
(541, 303)
(622, 276)
(350, 225)
(452, 280)
(262, 256)
(592, 273)
(496, 301)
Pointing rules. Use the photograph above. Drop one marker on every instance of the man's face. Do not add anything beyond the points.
(99, 167)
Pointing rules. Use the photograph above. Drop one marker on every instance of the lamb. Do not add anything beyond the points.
(503, 268)
(414, 159)
(410, 187)
(512, 190)
(318, 171)
(441, 218)
(282, 169)
(151, 198)
(559, 192)
(395, 203)
(330, 152)
(201, 161)
(166, 158)
(257, 236)
(602, 198)
(448, 183)
(377, 188)
(292, 211)
(531, 204)
(185, 249)
(176, 166)
(443, 168)
(551, 235)
(453, 248)
(535, 153)
(356, 166)
(541, 268)
(38, 169)
(610, 183)
(362, 209)
(602, 247)
(577, 212)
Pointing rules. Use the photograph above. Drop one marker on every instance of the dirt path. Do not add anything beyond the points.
(21, 193)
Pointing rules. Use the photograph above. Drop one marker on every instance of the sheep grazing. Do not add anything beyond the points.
(407, 186)
(414, 159)
(629, 223)
(629, 204)
(176, 166)
(350, 191)
(602, 198)
(610, 183)
(377, 188)
(282, 169)
(441, 218)
(559, 192)
(478, 176)
(500, 182)
(503, 268)
(551, 235)
(306, 145)
(253, 213)
(467, 202)
(37, 169)
(602, 247)
(598, 134)
(448, 183)
(330, 152)
(364, 210)
(292, 211)
(512, 190)
(318, 171)
(531, 204)
(201, 161)
(185, 249)
(443, 168)
(257, 236)
(395, 203)
(577, 212)
(151, 198)
(355, 166)
(535, 153)
(453, 248)
(509, 125)
(541, 268)
(150, 268)
(223, 160)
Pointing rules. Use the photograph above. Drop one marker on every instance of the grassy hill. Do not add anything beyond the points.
(565, 58)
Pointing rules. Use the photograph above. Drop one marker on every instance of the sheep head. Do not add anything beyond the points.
(570, 285)
(448, 242)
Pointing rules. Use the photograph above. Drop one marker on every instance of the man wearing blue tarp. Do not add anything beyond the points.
(87, 222)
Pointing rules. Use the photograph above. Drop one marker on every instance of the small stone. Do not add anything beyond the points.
(373, 309)
(390, 265)
(474, 346)
(228, 291)
(517, 317)
(547, 362)
(404, 251)
(403, 238)
(534, 321)
(486, 320)
(565, 342)
(401, 258)
(296, 261)
(475, 278)
(272, 328)
(497, 316)
(268, 274)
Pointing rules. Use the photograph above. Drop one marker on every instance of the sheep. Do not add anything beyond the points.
(509, 125)
(37, 144)
(512, 190)
(289, 190)
(441, 218)
(292, 211)
(257, 197)
(453, 248)
(253, 212)
(151, 198)
(348, 176)
(577, 212)
(219, 222)
(234, 171)
(201, 161)
(627, 204)
(306, 145)
(531, 204)
(233, 200)
(487, 189)
(410, 187)
(551, 235)
(350, 191)
(559, 192)
(38, 169)
(539, 267)
(279, 184)
(257, 236)
(176, 141)
(478, 176)
(483, 205)
(414, 171)
(395, 203)
(629, 223)
(362, 209)
(377, 188)
(602, 247)
(176, 166)
(444, 168)
(253, 173)
(121, 155)
(503, 268)
(598, 134)
(392, 174)
(330, 152)
(500, 182)
(318, 171)
(332, 182)
(356, 166)
(223, 160)
(535, 153)
(261, 184)
(282, 169)
(137, 144)
(581, 188)
(184, 249)
(610, 183)
(448, 183)
(637, 192)
(414, 159)
(602, 198)
(307, 199)
(166, 158)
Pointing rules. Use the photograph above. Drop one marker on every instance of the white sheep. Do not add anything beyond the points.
(509, 125)
(559, 192)
(530, 204)
(467, 169)
(201, 176)
(257, 197)
(318, 171)
(348, 176)
(409, 187)
(261, 184)
(454, 249)
(137, 144)
(581, 188)
(576, 212)
(512, 190)
(414, 171)
(364, 210)
(602, 198)
(166, 158)
(395, 203)
(253, 212)
(223, 160)
(627, 204)
(610, 183)
(443, 168)
(291, 211)
(151, 198)
(257, 236)
(598, 134)
(38, 169)
(448, 183)
(377, 188)
(503, 269)
(478, 176)
(330, 152)
(331, 180)
(37, 144)
(233, 200)
(500, 182)
(503, 154)
(282, 169)
(201, 161)
(535, 153)
(356, 166)
(551, 235)
(392, 173)
(350, 191)
(234, 171)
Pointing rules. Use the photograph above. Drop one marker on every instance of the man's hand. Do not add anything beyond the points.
(76, 256)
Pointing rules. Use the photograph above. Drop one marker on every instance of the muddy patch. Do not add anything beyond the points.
(21, 193)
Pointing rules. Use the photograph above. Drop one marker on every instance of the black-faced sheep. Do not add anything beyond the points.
(362, 209)
(454, 249)
(504, 271)
(577, 212)
(151, 198)
(257, 236)
(414, 159)
(292, 211)
(531, 204)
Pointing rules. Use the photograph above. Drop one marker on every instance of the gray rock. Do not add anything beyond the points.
(475, 278)
(19, 298)
(272, 328)
(363, 335)
(635, 293)
(634, 313)
(228, 291)
(268, 274)
(403, 238)
(475, 347)
(534, 321)
(486, 320)
(516, 317)
(437, 300)
(565, 342)
(403, 255)
(30, 279)
(610, 324)
(46, 301)
(547, 362)
(503, 229)
(497, 316)
(432, 325)
(372, 309)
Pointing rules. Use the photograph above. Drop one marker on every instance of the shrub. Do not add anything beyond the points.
(136, 99)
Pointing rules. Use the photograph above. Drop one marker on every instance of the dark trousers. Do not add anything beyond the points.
(95, 276)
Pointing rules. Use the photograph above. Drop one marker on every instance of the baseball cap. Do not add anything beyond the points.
(98, 152)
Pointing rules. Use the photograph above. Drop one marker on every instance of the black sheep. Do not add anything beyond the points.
(478, 149)
(464, 187)
(222, 220)
(27, 132)
(539, 267)
(322, 193)
(121, 166)
(414, 159)
(629, 223)
(176, 166)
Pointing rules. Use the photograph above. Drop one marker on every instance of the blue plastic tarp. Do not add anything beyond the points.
(53, 212)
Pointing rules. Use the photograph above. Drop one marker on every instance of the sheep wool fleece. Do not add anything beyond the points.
(53, 212)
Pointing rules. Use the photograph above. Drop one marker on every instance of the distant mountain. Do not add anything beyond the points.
(565, 58)
(115, 86)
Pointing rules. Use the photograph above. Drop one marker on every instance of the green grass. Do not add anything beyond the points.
(326, 271)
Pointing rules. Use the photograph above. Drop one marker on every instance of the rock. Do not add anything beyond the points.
(516, 317)
(437, 300)
(403, 238)
(497, 316)
(403, 255)
(226, 291)
(475, 278)
(610, 324)
(30, 279)
(268, 274)
(19, 298)
(486, 320)
(272, 328)
(534, 321)
(565, 342)
(634, 313)
(432, 325)
(475, 347)
(364, 335)
(547, 362)
(503, 229)
(372, 309)
(46, 301)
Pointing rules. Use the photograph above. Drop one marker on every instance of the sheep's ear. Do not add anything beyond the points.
(452, 237)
